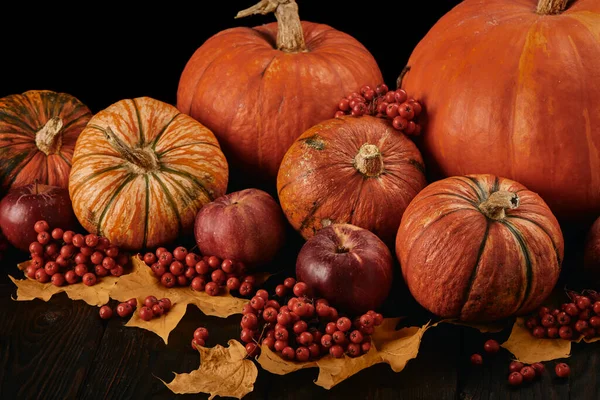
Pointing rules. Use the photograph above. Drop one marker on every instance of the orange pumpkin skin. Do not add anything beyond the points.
(516, 94)
(142, 170)
(459, 263)
(319, 183)
(258, 100)
(22, 121)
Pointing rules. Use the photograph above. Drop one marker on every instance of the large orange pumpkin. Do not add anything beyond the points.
(479, 247)
(38, 131)
(260, 88)
(142, 170)
(358, 171)
(512, 87)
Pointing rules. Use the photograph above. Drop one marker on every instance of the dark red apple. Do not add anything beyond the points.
(347, 265)
(247, 226)
(23, 206)
(591, 260)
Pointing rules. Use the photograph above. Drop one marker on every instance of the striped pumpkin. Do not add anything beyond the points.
(142, 170)
(479, 248)
(38, 131)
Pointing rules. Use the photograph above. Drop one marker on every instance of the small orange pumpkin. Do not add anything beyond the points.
(142, 170)
(38, 132)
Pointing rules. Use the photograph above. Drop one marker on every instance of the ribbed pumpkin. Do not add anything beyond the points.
(260, 88)
(479, 247)
(38, 131)
(512, 88)
(142, 170)
(352, 170)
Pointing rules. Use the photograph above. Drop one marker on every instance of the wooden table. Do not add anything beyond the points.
(61, 349)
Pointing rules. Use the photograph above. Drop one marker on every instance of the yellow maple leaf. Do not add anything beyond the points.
(391, 346)
(141, 283)
(96, 295)
(223, 371)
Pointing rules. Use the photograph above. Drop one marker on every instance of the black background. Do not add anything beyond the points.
(102, 52)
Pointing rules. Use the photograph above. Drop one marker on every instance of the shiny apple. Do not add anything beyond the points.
(23, 206)
(245, 226)
(347, 265)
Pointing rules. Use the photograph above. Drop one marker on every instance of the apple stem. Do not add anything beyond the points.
(369, 161)
(496, 205)
(48, 139)
(290, 37)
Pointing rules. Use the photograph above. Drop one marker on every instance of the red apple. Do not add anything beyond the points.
(591, 260)
(246, 226)
(347, 265)
(23, 206)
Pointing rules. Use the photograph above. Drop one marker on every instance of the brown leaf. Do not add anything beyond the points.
(223, 372)
(483, 327)
(97, 295)
(529, 349)
(388, 345)
(141, 283)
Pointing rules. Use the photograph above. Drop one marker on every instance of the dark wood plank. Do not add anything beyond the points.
(490, 380)
(584, 381)
(46, 349)
(130, 360)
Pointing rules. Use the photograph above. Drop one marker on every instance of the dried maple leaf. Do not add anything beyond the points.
(141, 283)
(224, 371)
(529, 349)
(97, 295)
(391, 346)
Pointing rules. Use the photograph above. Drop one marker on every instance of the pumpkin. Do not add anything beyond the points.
(512, 88)
(142, 170)
(38, 131)
(479, 247)
(260, 88)
(359, 171)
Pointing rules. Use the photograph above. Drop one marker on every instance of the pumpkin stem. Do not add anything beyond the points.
(496, 205)
(142, 160)
(401, 76)
(290, 37)
(48, 139)
(368, 160)
(548, 7)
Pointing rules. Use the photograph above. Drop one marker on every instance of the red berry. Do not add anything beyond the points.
(168, 280)
(406, 111)
(157, 310)
(584, 314)
(89, 279)
(327, 341)
(150, 258)
(109, 262)
(41, 276)
(299, 327)
(252, 349)
(381, 89)
(356, 336)
(281, 334)
(36, 249)
(112, 251)
(165, 259)
(150, 301)
(43, 237)
(41, 226)
(30, 271)
(99, 270)
(584, 302)
(165, 303)
(330, 328)
(548, 320)
(228, 266)
(300, 289)
(57, 234)
(594, 321)
(563, 318)
(71, 277)
(57, 279)
(539, 332)
(214, 262)
(353, 350)
(336, 351)
(339, 337)
(68, 237)
(202, 267)
(528, 373)
(249, 321)
(288, 353)
(78, 240)
(562, 370)
(538, 367)
(565, 332)
(180, 253)
(201, 333)
(280, 345)
(344, 324)
(117, 270)
(491, 346)
(515, 366)
(596, 307)
(132, 302)
(572, 309)
(515, 378)
(91, 240)
(280, 290)
(365, 347)
(212, 289)
(51, 268)
(81, 258)
(219, 277)
(400, 96)
(197, 343)
(306, 338)
(246, 288)
(52, 249)
(146, 313)
(233, 283)
(124, 309)
(190, 273)
(105, 312)
(302, 354)
(289, 282)
(177, 268)
(580, 325)
(552, 332)
(543, 310)
(97, 257)
(198, 283)
(392, 110)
